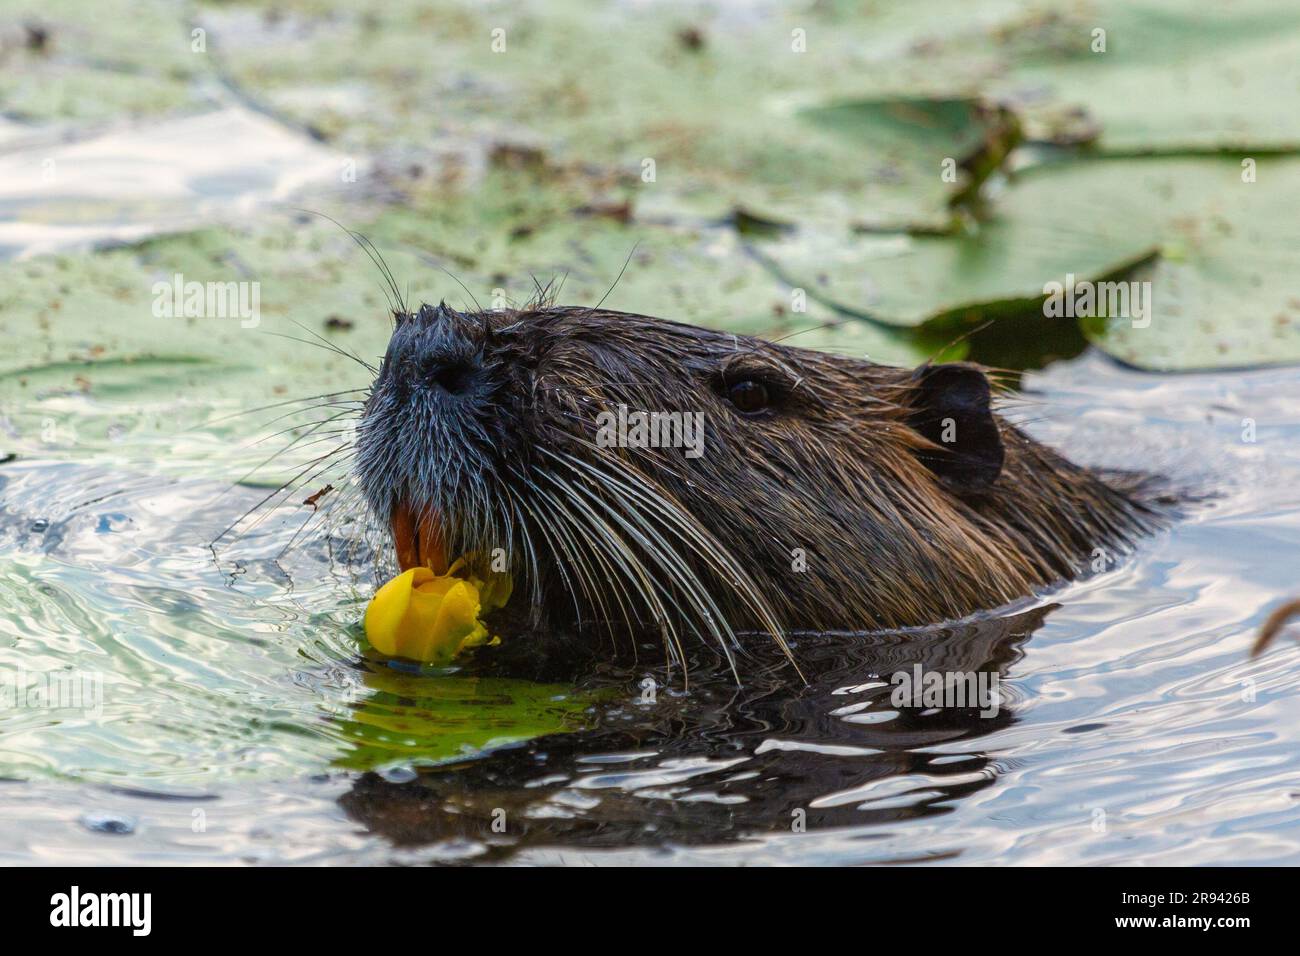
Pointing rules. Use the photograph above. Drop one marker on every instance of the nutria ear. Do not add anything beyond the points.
(951, 408)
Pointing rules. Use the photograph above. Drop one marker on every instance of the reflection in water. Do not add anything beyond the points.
(726, 763)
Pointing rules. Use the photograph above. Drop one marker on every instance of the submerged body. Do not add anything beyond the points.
(821, 492)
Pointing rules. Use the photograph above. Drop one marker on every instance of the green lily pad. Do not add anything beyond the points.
(904, 280)
(625, 88)
(1172, 76)
(423, 719)
(1213, 247)
(65, 59)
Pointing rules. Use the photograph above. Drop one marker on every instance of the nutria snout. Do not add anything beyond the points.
(819, 492)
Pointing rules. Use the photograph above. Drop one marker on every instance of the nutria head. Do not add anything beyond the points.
(814, 491)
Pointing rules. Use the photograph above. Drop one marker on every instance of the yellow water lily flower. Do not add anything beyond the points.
(432, 617)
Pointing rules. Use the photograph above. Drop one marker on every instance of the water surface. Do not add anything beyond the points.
(230, 714)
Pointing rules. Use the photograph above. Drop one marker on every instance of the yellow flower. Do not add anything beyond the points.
(431, 617)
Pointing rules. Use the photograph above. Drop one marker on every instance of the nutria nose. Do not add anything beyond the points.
(452, 375)
(438, 351)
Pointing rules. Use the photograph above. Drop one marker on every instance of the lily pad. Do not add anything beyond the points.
(996, 270)
(65, 60)
(416, 718)
(1157, 75)
(1213, 246)
(653, 92)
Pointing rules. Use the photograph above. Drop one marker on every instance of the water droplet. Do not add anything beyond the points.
(401, 773)
(104, 822)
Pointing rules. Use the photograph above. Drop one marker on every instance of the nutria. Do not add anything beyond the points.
(828, 493)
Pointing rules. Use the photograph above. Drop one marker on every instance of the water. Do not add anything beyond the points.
(64, 188)
(229, 715)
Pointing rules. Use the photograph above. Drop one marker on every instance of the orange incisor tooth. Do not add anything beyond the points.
(419, 541)
(433, 547)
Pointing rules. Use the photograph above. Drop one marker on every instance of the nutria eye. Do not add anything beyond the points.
(749, 396)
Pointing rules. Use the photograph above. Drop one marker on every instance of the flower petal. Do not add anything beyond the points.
(387, 610)
(495, 591)
(432, 617)
(456, 622)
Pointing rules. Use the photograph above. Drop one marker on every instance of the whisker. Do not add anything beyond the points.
(292, 401)
(391, 292)
(328, 347)
(617, 278)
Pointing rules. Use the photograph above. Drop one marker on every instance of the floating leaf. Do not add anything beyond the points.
(429, 719)
(1214, 247)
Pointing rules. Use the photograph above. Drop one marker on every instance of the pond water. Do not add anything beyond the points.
(218, 707)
